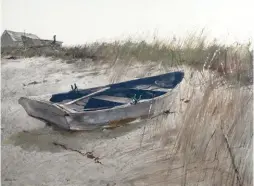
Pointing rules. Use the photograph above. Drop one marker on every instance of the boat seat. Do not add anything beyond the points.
(114, 99)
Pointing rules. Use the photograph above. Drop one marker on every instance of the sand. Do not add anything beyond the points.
(140, 154)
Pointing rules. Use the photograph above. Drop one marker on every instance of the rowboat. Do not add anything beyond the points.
(88, 109)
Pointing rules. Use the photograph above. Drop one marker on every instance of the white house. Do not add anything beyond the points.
(20, 39)
(14, 39)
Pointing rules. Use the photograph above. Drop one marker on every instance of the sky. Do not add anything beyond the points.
(84, 21)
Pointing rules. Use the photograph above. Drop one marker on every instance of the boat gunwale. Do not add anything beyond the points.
(126, 105)
(68, 111)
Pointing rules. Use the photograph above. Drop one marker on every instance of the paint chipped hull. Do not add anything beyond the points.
(89, 120)
(89, 109)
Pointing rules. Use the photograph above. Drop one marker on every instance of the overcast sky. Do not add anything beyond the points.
(81, 21)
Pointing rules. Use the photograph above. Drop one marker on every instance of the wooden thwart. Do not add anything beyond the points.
(84, 97)
(114, 99)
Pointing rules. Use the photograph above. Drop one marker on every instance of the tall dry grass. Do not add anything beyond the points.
(207, 141)
(234, 62)
(215, 138)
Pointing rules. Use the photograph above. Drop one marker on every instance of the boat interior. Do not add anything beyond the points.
(114, 95)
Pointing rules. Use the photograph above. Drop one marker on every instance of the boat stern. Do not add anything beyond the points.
(45, 111)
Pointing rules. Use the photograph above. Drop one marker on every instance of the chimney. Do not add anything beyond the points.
(54, 37)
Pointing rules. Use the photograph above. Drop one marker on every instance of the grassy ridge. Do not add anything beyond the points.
(235, 61)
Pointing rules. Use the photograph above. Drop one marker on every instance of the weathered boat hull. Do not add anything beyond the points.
(44, 111)
(60, 114)
(90, 120)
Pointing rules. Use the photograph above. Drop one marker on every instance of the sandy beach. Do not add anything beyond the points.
(145, 153)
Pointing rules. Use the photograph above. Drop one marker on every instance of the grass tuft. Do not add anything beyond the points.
(234, 62)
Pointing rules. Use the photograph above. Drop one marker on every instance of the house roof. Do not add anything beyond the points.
(17, 36)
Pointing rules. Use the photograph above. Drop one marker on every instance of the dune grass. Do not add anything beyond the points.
(211, 143)
(234, 62)
(216, 136)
